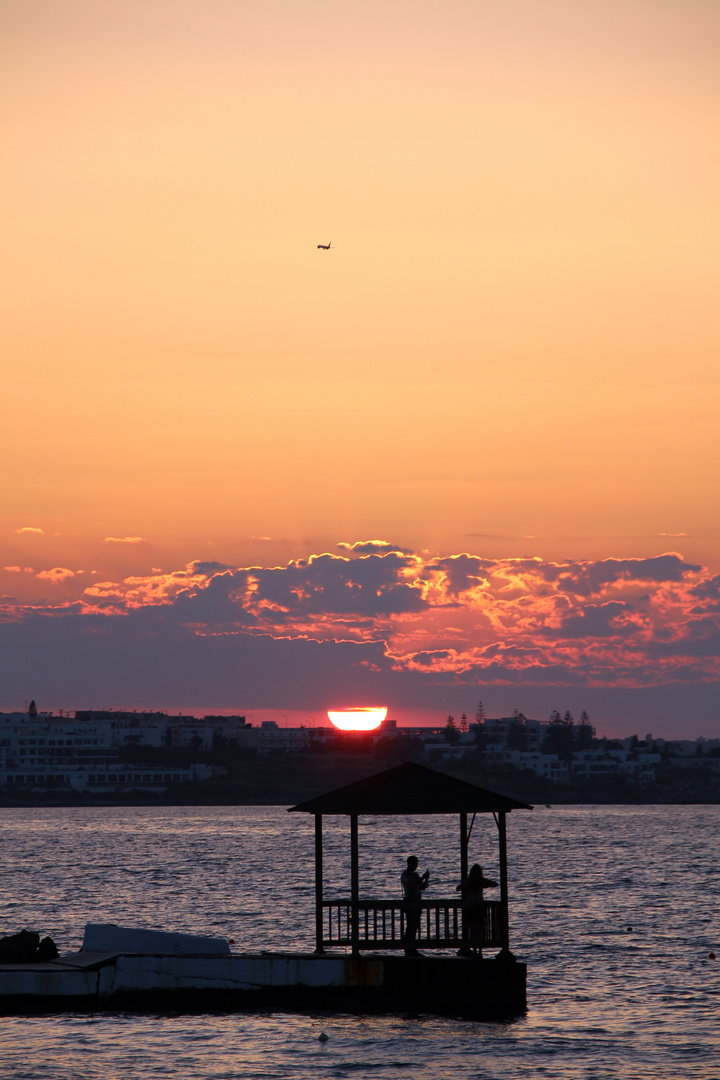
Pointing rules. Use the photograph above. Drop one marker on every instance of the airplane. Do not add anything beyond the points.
(325, 247)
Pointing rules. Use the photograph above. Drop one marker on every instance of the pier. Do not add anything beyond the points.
(358, 963)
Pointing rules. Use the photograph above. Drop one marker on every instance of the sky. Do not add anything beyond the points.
(469, 453)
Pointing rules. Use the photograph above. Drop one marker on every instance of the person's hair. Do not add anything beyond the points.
(412, 858)
(475, 878)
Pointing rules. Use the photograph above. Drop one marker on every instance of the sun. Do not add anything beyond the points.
(360, 718)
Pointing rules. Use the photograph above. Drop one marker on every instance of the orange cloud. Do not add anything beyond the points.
(56, 575)
(30, 529)
(156, 588)
(611, 622)
(124, 540)
(370, 547)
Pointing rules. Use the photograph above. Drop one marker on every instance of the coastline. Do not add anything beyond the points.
(282, 778)
(202, 795)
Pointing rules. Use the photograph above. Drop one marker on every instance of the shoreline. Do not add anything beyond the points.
(163, 801)
(283, 779)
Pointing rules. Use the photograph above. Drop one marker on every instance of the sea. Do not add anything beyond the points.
(615, 910)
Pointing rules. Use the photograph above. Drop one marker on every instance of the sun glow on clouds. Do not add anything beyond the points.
(56, 575)
(157, 588)
(462, 618)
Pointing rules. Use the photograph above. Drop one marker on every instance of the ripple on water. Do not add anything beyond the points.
(604, 1003)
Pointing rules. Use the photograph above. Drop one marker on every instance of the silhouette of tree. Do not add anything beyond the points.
(32, 710)
(584, 733)
(669, 750)
(463, 723)
(451, 733)
(559, 736)
(517, 736)
(479, 733)
(480, 736)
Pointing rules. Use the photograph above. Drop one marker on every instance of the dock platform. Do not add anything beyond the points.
(384, 968)
(154, 982)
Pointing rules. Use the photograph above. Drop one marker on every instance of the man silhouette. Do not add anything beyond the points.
(413, 886)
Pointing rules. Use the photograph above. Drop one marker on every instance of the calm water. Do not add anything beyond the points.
(604, 1000)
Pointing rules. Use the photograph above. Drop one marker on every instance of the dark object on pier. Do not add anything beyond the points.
(19, 948)
(26, 947)
(380, 924)
(47, 950)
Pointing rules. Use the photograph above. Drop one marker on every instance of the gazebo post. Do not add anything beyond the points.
(502, 843)
(354, 886)
(318, 885)
(463, 847)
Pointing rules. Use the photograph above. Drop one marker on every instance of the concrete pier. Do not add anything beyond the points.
(145, 970)
(155, 982)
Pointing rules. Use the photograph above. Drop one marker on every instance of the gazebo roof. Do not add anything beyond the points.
(410, 789)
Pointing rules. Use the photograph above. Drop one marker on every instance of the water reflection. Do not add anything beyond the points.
(604, 1001)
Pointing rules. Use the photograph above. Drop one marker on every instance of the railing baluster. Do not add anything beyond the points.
(382, 923)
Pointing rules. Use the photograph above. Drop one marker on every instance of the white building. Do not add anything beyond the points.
(55, 752)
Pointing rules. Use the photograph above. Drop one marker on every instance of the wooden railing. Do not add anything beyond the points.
(381, 924)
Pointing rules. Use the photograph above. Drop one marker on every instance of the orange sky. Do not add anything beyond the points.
(512, 350)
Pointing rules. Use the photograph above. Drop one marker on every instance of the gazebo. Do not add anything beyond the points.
(379, 924)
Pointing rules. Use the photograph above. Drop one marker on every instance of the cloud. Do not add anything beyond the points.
(56, 575)
(207, 568)
(431, 659)
(459, 620)
(461, 573)
(371, 547)
(30, 529)
(598, 621)
(592, 578)
(707, 592)
(124, 540)
(373, 585)
(85, 660)
(152, 589)
(13, 569)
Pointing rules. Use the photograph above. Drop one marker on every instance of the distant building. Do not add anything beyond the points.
(83, 753)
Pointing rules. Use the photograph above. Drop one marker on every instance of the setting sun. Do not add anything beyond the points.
(357, 719)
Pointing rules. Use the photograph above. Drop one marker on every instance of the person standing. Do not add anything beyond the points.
(413, 886)
(471, 890)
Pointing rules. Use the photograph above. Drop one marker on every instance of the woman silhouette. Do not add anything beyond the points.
(471, 890)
